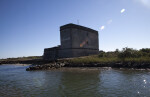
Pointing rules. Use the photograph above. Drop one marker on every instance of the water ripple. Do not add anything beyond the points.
(75, 82)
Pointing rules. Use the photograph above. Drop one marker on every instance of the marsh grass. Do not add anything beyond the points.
(22, 58)
(96, 59)
(125, 55)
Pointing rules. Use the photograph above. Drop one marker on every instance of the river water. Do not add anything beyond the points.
(15, 81)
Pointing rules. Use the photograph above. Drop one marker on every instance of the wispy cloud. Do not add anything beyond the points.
(109, 21)
(122, 11)
(146, 3)
(102, 27)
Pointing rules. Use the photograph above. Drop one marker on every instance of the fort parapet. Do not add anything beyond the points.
(76, 41)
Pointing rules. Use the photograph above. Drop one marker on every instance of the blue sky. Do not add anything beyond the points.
(29, 26)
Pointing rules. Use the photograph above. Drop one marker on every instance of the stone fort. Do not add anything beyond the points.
(76, 41)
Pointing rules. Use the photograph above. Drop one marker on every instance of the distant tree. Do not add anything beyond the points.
(117, 50)
(101, 54)
(146, 50)
(127, 53)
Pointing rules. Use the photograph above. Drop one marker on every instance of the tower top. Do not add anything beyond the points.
(71, 25)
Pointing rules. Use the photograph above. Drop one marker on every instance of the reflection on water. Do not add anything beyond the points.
(79, 82)
(75, 82)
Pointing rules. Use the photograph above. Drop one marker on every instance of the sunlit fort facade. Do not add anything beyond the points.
(76, 41)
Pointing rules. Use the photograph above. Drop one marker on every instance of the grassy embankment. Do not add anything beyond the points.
(22, 58)
(125, 55)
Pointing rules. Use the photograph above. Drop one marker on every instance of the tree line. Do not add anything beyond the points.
(127, 53)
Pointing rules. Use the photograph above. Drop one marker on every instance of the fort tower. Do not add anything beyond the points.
(75, 41)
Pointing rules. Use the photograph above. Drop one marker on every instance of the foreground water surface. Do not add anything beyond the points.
(15, 81)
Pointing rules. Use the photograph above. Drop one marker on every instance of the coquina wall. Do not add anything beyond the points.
(75, 41)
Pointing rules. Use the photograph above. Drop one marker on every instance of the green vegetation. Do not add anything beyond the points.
(93, 59)
(22, 58)
(125, 55)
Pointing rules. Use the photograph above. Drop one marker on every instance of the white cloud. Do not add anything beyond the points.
(122, 10)
(102, 27)
(146, 3)
(109, 21)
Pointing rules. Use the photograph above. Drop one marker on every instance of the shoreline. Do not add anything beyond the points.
(126, 58)
(57, 65)
(87, 61)
(74, 68)
(49, 65)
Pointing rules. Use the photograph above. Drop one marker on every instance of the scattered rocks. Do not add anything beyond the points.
(135, 65)
(46, 66)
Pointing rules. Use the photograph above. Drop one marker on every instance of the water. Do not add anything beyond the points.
(15, 81)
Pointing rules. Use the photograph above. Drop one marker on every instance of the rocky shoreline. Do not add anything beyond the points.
(53, 65)
(46, 65)
(56, 65)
